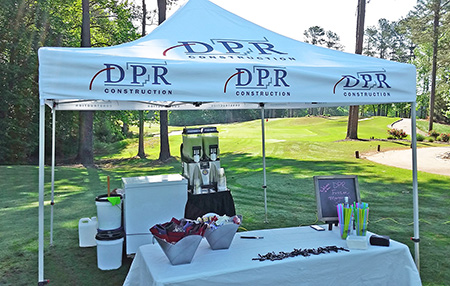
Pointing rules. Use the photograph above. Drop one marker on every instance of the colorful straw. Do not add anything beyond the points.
(345, 216)
(361, 213)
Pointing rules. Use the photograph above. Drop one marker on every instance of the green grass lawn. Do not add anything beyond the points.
(441, 128)
(297, 149)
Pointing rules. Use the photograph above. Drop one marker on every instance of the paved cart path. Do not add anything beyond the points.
(434, 160)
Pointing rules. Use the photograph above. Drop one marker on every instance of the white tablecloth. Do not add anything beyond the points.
(376, 265)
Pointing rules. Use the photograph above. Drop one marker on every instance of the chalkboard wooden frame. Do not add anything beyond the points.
(325, 212)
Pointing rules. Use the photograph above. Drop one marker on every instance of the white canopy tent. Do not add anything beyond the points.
(204, 57)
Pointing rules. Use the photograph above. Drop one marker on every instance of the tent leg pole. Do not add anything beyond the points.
(41, 191)
(53, 174)
(264, 161)
(416, 238)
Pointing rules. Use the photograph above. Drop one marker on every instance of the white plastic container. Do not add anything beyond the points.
(87, 229)
(109, 249)
(109, 216)
(357, 242)
(222, 183)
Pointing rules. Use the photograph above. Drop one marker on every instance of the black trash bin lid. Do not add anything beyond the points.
(109, 234)
(212, 129)
(192, 131)
(104, 198)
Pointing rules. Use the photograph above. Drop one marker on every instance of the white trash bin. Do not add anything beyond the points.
(109, 216)
(109, 249)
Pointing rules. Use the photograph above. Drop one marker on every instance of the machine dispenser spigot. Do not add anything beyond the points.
(213, 152)
(196, 151)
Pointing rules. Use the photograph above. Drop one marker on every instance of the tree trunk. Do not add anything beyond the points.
(164, 151)
(229, 116)
(141, 148)
(86, 138)
(125, 129)
(162, 7)
(272, 113)
(352, 126)
(141, 151)
(437, 6)
(86, 135)
(144, 17)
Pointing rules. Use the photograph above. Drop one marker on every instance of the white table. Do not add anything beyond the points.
(376, 265)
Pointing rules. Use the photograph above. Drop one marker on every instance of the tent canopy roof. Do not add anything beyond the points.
(206, 57)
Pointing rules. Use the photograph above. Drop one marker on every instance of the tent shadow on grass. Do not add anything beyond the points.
(291, 199)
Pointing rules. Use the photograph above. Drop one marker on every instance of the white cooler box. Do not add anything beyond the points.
(148, 201)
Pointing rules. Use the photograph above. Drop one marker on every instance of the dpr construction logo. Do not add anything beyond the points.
(259, 81)
(368, 83)
(220, 49)
(133, 78)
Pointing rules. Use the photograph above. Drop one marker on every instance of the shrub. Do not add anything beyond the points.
(445, 137)
(420, 137)
(433, 133)
(430, 139)
(397, 134)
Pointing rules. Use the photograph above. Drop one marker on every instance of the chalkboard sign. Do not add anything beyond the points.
(331, 191)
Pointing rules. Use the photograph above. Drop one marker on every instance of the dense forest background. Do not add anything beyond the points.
(422, 38)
